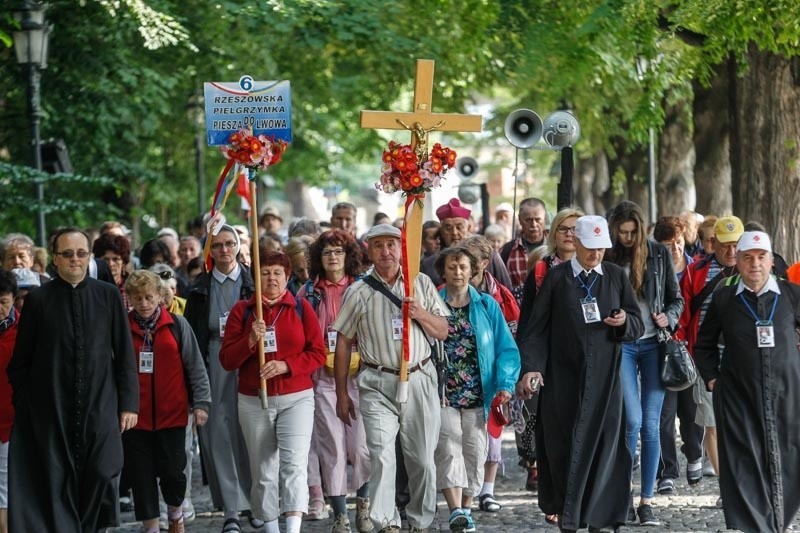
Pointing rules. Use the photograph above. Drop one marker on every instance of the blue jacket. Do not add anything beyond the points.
(498, 356)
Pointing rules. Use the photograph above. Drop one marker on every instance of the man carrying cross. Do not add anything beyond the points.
(375, 320)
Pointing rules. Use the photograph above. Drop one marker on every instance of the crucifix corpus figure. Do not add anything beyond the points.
(421, 137)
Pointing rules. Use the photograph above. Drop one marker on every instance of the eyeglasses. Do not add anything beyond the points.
(564, 230)
(165, 275)
(230, 245)
(69, 254)
(338, 252)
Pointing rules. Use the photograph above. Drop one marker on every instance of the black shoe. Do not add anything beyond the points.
(694, 475)
(646, 515)
(666, 486)
(631, 511)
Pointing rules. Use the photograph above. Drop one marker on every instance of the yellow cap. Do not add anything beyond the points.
(728, 229)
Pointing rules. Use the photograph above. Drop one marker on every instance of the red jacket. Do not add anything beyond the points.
(7, 340)
(504, 297)
(163, 398)
(692, 283)
(299, 340)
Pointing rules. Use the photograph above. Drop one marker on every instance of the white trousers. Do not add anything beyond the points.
(462, 449)
(278, 440)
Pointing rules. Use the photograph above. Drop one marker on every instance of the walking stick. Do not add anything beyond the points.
(256, 262)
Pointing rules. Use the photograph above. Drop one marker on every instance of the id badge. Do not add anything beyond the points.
(145, 362)
(765, 333)
(270, 340)
(397, 329)
(223, 319)
(332, 334)
(590, 311)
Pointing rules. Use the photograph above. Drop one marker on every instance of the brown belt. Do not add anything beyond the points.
(396, 372)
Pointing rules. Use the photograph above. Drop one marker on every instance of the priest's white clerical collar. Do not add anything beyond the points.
(770, 285)
(577, 269)
(233, 275)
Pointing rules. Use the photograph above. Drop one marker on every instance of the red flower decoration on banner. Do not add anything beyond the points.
(256, 152)
(402, 172)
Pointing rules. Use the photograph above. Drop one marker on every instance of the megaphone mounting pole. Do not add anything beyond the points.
(514, 203)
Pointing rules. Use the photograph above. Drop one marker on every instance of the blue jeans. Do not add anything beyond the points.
(643, 411)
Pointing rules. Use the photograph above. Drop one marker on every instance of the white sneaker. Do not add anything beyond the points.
(188, 510)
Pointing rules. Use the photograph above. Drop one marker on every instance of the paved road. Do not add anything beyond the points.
(690, 509)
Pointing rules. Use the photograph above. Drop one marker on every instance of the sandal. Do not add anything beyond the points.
(231, 525)
(255, 523)
(551, 519)
(488, 503)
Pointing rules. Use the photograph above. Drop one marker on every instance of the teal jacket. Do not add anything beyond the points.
(498, 356)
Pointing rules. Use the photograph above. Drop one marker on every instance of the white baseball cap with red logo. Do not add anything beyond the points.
(592, 231)
(754, 240)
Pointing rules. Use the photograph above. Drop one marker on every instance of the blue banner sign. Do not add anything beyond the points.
(264, 106)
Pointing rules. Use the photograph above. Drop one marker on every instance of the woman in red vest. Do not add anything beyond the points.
(168, 358)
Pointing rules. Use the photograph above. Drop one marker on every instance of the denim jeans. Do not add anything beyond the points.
(643, 410)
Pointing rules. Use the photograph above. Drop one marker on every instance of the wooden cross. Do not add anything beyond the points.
(421, 120)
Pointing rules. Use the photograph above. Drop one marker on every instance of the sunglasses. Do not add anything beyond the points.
(165, 275)
(69, 254)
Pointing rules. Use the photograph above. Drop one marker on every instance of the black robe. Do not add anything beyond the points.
(583, 459)
(757, 406)
(72, 373)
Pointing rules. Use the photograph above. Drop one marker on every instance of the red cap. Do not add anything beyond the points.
(453, 209)
(497, 419)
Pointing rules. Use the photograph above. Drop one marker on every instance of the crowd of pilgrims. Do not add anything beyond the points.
(512, 329)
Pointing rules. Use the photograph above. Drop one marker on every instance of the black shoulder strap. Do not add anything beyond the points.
(700, 297)
(175, 328)
(381, 288)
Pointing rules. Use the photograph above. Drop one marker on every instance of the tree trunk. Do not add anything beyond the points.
(764, 148)
(712, 171)
(675, 191)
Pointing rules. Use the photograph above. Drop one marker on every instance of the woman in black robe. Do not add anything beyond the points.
(584, 463)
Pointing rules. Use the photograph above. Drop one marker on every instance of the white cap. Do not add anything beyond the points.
(504, 206)
(754, 240)
(26, 278)
(592, 231)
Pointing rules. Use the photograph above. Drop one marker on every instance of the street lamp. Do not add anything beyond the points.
(642, 64)
(31, 44)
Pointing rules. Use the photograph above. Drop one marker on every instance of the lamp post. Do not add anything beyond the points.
(30, 43)
(641, 68)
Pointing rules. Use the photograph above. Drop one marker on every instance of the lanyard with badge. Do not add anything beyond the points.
(146, 354)
(270, 338)
(765, 331)
(591, 313)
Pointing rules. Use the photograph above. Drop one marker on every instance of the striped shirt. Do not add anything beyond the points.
(368, 314)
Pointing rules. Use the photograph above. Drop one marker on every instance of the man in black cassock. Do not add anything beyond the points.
(584, 463)
(73, 375)
(756, 386)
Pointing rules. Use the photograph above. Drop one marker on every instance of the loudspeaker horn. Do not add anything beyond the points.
(561, 129)
(523, 128)
(466, 167)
